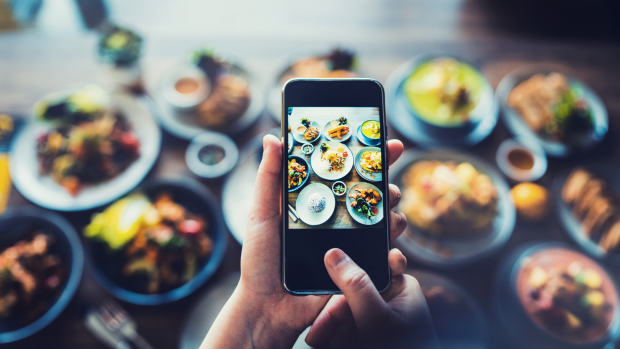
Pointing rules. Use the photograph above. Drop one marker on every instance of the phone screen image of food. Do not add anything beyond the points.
(338, 182)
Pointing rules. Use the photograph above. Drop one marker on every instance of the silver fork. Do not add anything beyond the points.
(117, 320)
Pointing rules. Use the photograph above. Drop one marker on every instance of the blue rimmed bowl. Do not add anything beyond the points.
(302, 161)
(196, 198)
(18, 223)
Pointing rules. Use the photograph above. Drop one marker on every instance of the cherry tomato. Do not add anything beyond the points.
(190, 226)
(345, 154)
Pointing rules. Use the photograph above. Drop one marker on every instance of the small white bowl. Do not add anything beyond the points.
(194, 156)
(306, 145)
(343, 184)
(302, 132)
(531, 146)
(185, 100)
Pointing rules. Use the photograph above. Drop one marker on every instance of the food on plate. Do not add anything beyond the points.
(310, 132)
(446, 198)
(550, 105)
(153, 246)
(316, 202)
(365, 202)
(371, 161)
(567, 294)
(339, 63)
(338, 131)
(339, 188)
(334, 158)
(120, 46)
(596, 206)
(31, 277)
(89, 142)
(371, 129)
(301, 129)
(296, 173)
(230, 95)
(444, 91)
(531, 200)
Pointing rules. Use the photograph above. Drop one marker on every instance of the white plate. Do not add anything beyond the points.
(43, 191)
(308, 216)
(185, 125)
(358, 217)
(344, 138)
(290, 142)
(320, 167)
(378, 176)
(300, 138)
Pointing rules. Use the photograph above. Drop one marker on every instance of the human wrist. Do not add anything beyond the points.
(259, 320)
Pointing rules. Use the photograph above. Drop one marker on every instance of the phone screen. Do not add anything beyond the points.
(335, 192)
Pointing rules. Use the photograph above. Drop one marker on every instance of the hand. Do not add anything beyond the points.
(363, 318)
(260, 313)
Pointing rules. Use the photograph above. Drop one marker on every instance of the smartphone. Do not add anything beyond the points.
(335, 181)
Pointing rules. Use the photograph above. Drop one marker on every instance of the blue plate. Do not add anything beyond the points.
(16, 224)
(418, 131)
(192, 195)
(518, 127)
(302, 161)
(377, 177)
(463, 250)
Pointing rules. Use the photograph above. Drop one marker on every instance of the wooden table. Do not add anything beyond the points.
(498, 36)
(340, 219)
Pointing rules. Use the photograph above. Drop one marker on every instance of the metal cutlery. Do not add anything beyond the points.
(118, 321)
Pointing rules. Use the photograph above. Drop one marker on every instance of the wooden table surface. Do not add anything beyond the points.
(498, 36)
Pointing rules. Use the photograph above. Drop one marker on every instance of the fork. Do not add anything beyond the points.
(117, 320)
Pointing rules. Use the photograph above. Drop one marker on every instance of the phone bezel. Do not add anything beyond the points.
(284, 196)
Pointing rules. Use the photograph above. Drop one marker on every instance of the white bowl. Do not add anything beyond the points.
(342, 183)
(192, 155)
(185, 100)
(528, 144)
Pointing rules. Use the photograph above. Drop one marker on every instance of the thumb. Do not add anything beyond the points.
(363, 298)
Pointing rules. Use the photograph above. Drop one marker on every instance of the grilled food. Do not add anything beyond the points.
(596, 206)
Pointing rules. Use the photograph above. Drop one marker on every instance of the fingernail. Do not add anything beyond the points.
(336, 258)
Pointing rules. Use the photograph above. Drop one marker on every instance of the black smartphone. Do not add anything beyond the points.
(335, 181)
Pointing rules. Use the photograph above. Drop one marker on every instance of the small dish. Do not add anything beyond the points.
(517, 310)
(521, 159)
(14, 223)
(339, 188)
(211, 155)
(300, 129)
(307, 148)
(315, 218)
(185, 86)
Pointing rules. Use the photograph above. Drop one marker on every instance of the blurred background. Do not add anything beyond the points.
(50, 45)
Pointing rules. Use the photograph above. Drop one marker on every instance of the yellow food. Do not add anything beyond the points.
(371, 129)
(371, 161)
(531, 200)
